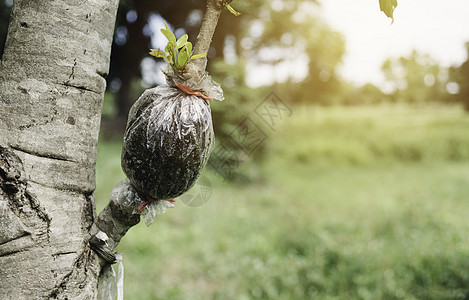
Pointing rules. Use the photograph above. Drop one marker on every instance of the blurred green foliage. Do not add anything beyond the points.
(366, 135)
(416, 78)
(347, 203)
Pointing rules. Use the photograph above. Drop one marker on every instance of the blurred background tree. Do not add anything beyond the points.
(458, 85)
(415, 79)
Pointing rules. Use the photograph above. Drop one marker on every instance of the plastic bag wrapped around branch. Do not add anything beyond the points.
(155, 208)
(169, 136)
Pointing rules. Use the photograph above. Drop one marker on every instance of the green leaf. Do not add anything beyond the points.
(183, 58)
(232, 10)
(388, 6)
(198, 55)
(157, 53)
(175, 56)
(181, 42)
(168, 34)
(189, 47)
(177, 53)
(167, 59)
(169, 49)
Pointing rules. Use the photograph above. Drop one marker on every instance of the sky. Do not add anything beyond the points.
(435, 27)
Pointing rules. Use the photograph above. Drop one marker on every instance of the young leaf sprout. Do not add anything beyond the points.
(177, 52)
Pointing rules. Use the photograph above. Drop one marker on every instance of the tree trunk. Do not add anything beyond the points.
(51, 92)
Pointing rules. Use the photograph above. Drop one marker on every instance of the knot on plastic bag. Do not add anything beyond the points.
(206, 85)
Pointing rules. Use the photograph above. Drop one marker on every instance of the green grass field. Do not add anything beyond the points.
(343, 203)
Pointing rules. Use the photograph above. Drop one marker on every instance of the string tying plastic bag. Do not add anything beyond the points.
(169, 136)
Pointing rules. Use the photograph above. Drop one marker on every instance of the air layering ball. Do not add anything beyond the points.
(169, 137)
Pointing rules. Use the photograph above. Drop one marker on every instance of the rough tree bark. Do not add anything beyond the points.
(51, 93)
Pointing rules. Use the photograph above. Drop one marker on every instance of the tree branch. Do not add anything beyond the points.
(115, 220)
(196, 67)
(121, 212)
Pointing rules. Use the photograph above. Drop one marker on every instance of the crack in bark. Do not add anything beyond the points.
(11, 167)
(82, 261)
(16, 245)
(64, 188)
(14, 188)
(89, 212)
(16, 238)
(72, 75)
(10, 253)
(55, 255)
(79, 87)
(44, 155)
(34, 203)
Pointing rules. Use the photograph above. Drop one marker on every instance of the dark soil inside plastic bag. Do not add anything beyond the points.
(168, 139)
